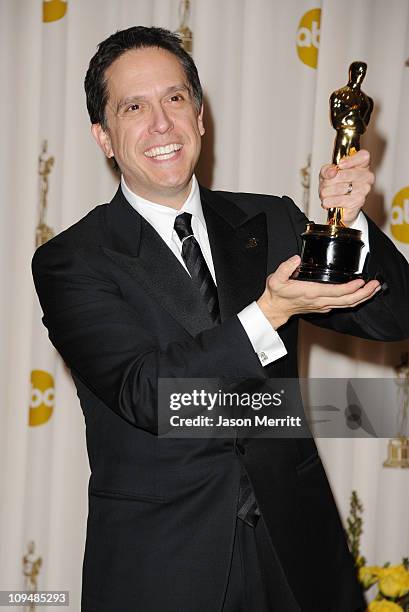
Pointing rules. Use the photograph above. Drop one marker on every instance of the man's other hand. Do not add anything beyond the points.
(284, 297)
(346, 185)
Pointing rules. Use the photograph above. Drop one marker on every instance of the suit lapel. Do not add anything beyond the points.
(238, 244)
(138, 248)
(239, 249)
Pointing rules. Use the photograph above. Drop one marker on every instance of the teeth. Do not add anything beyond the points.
(163, 152)
(166, 156)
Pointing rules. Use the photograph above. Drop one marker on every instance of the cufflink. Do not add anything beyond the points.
(263, 357)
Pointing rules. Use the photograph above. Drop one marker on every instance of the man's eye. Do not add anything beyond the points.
(176, 98)
(133, 107)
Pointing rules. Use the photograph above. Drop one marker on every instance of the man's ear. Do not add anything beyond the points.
(200, 122)
(102, 139)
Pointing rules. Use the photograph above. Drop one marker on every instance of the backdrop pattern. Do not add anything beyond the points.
(267, 67)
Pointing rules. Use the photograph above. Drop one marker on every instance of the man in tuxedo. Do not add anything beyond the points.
(172, 280)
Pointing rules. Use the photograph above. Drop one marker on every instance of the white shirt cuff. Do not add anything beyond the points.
(361, 224)
(265, 340)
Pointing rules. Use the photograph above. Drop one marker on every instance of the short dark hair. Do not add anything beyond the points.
(137, 37)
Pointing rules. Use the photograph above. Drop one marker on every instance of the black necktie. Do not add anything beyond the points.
(196, 264)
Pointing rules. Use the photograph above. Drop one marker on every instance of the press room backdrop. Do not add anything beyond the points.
(267, 67)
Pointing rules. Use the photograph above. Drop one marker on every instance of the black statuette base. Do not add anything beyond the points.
(330, 254)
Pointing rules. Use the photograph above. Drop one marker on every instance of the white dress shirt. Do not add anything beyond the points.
(265, 340)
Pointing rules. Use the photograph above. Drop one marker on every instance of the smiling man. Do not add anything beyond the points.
(172, 280)
(152, 125)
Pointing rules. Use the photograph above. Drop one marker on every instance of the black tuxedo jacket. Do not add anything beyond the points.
(122, 312)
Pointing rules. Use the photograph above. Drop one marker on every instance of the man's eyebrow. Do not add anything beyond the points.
(136, 98)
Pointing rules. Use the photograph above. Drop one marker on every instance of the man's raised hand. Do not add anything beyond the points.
(346, 185)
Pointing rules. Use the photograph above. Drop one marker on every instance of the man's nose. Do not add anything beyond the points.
(160, 120)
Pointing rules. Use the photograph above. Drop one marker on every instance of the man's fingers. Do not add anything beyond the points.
(329, 290)
(362, 159)
(351, 167)
(368, 291)
(342, 189)
(323, 295)
(356, 176)
(350, 300)
(297, 297)
(348, 187)
(343, 201)
(329, 171)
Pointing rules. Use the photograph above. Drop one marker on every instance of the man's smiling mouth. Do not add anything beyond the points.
(163, 152)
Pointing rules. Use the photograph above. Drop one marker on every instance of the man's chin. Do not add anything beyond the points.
(174, 184)
(172, 194)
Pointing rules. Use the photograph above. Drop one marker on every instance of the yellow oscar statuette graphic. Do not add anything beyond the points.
(400, 216)
(53, 10)
(398, 447)
(42, 398)
(31, 570)
(305, 182)
(43, 231)
(308, 37)
(184, 32)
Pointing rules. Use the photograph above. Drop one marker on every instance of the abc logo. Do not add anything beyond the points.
(400, 215)
(42, 397)
(53, 10)
(308, 37)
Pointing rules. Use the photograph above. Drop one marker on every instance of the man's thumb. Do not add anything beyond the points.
(286, 268)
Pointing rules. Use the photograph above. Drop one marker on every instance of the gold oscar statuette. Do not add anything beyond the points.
(398, 447)
(331, 252)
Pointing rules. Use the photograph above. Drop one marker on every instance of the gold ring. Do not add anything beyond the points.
(349, 189)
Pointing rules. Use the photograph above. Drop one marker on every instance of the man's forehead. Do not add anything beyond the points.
(143, 70)
(144, 61)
